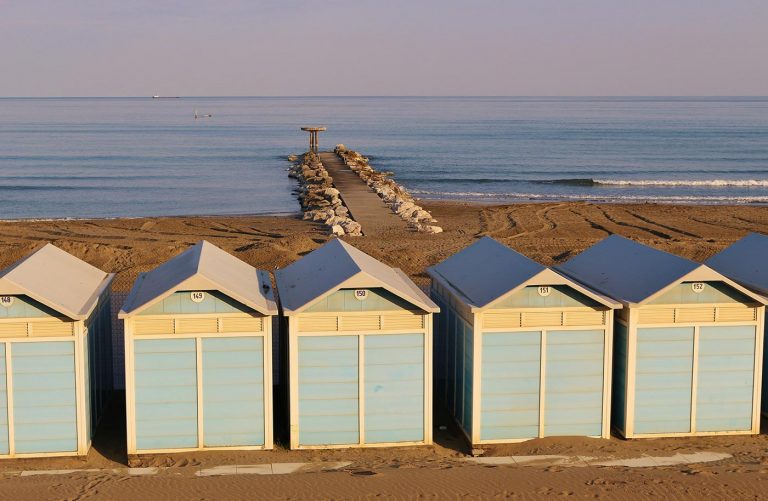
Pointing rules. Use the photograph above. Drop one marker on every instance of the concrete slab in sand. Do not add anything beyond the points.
(582, 461)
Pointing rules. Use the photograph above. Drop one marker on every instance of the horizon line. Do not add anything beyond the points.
(524, 96)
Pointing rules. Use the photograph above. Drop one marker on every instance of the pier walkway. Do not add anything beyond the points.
(365, 206)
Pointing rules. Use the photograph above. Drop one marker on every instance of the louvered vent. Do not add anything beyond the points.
(318, 324)
(402, 321)
(196, 325)
(13, 329)
(242, 324)
(360, 322)
(153, 326)
(686, 315)
(734, 314)
(498, 320)
(51, 328)
(541, 318)
(578, 318)
(657, 316)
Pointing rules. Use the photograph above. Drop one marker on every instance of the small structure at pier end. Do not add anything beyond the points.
(688, 342)
(198, 355)
(359, 351)
(313, 133)
(55, 354)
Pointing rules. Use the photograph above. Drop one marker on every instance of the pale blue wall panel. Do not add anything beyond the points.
(166, 393)
(4, 448)
(328, 390)
(511, 376)
(233, 391)
(45, 406)
(714, 292)
(26, 307)
(561, 296)
(726, 378)
(344, 300)
(664, 372)
(574, 383)
(394, 388)
(181, 302)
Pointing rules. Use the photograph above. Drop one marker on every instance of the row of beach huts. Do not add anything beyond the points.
(621, 337)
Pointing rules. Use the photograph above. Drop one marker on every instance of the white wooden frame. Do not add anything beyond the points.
(130, 388)
(632, 324)
(83, 441)
(478, 330)
(293, 378)
(607, 330)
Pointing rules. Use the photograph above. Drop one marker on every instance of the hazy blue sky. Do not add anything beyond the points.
(385, 47)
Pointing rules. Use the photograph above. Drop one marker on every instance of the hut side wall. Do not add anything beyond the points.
(619, 382)
(454, 357)
(98, 363)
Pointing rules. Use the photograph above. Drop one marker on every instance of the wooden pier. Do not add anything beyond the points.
(365, 206)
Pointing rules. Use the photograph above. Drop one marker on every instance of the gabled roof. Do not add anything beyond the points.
(338, 265)
(634, 273)
(202, 267)
(58, 280)
(746, 261)
(488, 271)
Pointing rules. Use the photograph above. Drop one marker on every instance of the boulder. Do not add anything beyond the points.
(337, 230)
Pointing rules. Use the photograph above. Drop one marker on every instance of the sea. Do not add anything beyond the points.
(133, 157)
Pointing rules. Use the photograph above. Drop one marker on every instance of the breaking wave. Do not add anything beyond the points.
(501, 197)
(742, 183)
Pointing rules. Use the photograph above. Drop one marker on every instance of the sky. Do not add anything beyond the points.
(383, 47)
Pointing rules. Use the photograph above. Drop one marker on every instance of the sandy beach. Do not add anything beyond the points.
(549, 233)
(546, 232)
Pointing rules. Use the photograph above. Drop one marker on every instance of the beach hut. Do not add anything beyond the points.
(55, 354)
(688, 343)
(522, 351)
(198, 355)
(746, 262)
(359, 337)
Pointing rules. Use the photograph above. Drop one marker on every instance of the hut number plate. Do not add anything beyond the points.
(697, 287)
(545, 290)
(197, 296)
(361, 294)
(6, 301)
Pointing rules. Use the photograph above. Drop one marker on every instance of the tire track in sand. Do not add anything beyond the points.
(549, 224)
(671, 228)
(657, 233)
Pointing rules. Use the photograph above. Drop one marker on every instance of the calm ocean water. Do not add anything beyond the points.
(105, 157)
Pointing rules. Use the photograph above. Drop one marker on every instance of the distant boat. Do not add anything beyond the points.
(165, 97)
(202, 115)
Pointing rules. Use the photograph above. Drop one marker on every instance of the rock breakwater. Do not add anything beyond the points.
(319, 199)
